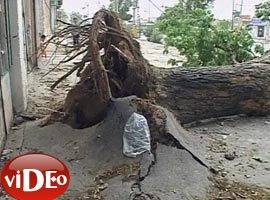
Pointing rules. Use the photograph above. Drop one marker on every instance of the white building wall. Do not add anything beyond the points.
(14, 82)
(18, 73)
(46, 18)
(2, 127)
(7, 100)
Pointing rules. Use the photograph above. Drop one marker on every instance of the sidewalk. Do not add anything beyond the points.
(97, 152)
(42, 101)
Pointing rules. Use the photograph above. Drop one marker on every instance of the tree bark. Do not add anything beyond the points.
(209, 92)
(121, 71)
(190, 93)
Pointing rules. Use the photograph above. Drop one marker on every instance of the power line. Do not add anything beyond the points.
(157, 7)
(233, 7)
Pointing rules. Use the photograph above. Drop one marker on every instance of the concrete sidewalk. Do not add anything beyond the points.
(97, 151)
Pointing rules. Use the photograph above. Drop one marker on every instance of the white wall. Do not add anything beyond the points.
(7, 100)
(2, 128)
(39, 12)
(18, 73)
(6, 112)
(46, 17)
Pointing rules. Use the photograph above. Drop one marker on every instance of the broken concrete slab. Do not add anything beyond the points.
(176, 175)
(92, 152)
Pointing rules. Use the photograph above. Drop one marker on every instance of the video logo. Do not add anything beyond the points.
(35, 176)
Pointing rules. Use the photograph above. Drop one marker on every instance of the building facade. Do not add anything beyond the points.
(260, 30)
(20, 30)
(46, 13)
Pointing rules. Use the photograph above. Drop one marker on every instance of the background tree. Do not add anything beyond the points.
(263, 10)
(186, 6)
(153, 34)
(191, 28)
(123, 8)
(76, 17)
(62, 15)
(223, 24)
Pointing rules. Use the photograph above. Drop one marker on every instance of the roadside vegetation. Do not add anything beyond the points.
(191, 28)
(153, 34)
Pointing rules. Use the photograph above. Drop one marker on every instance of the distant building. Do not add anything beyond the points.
(260, 29)
(47, 15)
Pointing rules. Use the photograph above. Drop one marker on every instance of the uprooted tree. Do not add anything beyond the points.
(112, 66)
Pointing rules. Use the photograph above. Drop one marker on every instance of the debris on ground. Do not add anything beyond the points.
(230, 156)
(239, 160)
(127, 171)
(259, 160)
(224, 189)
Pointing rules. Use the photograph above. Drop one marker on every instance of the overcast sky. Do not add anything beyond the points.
(222, 8)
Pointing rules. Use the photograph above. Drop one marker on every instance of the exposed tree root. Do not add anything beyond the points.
(119, 71)
(113, 66)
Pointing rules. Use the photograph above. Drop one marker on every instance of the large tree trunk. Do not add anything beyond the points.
(190, 93)
(209, 92)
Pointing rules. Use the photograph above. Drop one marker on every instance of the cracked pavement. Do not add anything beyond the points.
(97, 151)
(92, 152)
(178, 173)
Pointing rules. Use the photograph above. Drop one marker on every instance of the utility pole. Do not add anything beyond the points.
(134, 11)
(241, 7)
(149, 11)
(138, 19)
(233, 12)
(116, 6)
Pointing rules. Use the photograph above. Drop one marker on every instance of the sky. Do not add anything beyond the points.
(222, 8)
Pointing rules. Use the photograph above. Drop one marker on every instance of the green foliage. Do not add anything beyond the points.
(259, 49)
(148, 30)
(263, 10)
(186, 6)
(223, 24)
(190, 5)
(123, 8)
(153, 34)
(173, 61)
(156, 36)
(203, 42)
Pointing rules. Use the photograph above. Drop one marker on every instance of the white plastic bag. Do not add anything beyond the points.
(136, 138)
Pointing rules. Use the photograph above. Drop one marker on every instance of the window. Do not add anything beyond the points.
(260, 31)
